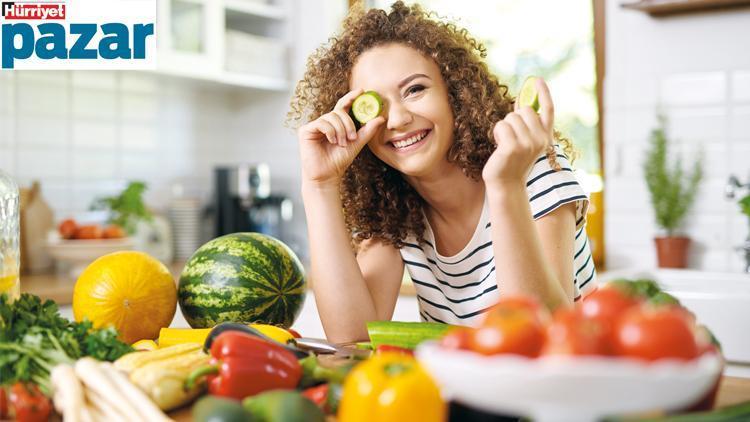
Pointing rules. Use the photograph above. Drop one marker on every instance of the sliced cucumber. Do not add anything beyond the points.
(367, 107)
(404, 334)
(529, 95)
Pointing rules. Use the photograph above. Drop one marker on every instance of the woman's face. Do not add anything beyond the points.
(418, 131)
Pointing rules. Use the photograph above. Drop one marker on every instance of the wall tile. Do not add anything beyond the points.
(93, 165)
(140, 107)
(739, 123)
(41, 131)
(96, 79)
(136, 137)
(697, 124)
(141, 166)
(7, 160)
(94, 134)
(42, 163)
(94, 103)
(739, 160)
(741, 86)
(33, 77)
(42, 98)
(136, 81)
(698, 88)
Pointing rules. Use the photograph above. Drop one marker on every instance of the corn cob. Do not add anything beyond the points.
(135, 360)
(163, 380)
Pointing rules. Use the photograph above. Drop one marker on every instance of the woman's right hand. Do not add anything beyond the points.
(329, 144)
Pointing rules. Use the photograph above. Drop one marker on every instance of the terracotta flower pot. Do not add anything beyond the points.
(672, 252)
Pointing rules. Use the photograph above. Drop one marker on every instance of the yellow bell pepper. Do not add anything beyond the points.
(172, 336)
(390, 387)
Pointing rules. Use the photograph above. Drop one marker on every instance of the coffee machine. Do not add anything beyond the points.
(244, 202)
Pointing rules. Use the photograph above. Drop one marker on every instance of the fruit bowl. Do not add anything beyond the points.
(561, 388)
(78, 254)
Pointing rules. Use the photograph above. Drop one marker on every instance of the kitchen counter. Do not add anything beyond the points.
(59, 287)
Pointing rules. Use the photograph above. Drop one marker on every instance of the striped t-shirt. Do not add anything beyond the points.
(458, 289)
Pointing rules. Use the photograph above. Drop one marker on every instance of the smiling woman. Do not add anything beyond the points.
(453, 181)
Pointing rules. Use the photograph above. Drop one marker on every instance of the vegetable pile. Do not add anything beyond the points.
(34, 338)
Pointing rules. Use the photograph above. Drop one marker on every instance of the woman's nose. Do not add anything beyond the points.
(398, 116)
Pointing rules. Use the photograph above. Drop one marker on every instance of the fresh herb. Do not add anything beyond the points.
(34, 337)
(672, 191)
(127, 208)
(745, 205)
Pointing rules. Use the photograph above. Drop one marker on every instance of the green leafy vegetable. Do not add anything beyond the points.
(34, 337)
(127, 208)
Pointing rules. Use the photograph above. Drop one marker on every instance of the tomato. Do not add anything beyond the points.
(652, 334)
(67, 228)
(456, 339)
(317, 394)
(383, 348)
(89, 232)
(29, 403)
(113, 232)
(3, 403)
(606, 305)
(518, 302)
(509, 329)
(571, 333)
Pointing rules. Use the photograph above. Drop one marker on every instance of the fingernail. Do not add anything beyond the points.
(352, 136)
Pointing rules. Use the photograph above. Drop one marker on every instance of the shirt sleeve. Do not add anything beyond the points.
(548, 189)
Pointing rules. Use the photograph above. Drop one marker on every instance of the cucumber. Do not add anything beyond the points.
(404, 334)
(529, 95)
(367, 107)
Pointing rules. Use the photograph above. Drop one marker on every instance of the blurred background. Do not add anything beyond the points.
(198, 147)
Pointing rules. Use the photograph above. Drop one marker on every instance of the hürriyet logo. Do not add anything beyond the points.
(78, 34)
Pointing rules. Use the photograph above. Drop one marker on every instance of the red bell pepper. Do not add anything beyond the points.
(243, 365)
(317, 395)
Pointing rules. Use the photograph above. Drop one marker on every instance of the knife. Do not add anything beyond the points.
(325, 347)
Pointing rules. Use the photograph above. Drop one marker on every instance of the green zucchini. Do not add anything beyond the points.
(404, 334)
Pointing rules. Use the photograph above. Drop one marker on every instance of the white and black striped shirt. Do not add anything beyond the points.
(459, 288)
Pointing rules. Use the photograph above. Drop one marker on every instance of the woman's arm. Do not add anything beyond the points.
(532, 257)
(349, 291)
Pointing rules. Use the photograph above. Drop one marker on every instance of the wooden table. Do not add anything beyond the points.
(733, 390)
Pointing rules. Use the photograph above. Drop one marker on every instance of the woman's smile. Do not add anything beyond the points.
(411, 141)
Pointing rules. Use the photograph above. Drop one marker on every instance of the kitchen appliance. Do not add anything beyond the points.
(244, 202)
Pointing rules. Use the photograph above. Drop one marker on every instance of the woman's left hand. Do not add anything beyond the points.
(521, 137)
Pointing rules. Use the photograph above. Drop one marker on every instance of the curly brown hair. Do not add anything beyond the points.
(377, 200)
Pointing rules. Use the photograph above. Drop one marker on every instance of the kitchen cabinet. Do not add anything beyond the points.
(234, 42)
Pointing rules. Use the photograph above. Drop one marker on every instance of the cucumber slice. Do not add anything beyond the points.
(367, 106)
(529, 95)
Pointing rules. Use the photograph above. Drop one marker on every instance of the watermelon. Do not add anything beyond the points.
(242, 277)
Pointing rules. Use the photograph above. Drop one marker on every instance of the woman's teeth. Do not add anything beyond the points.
(410, 141)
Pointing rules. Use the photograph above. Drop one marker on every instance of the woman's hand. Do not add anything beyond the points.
(521, 137)
(329, 144)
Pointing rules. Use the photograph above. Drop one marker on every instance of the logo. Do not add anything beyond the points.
(78, 34)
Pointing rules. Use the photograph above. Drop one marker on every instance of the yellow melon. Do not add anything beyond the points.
(129, 290)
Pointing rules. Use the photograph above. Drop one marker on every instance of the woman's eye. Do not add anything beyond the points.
(414, 89)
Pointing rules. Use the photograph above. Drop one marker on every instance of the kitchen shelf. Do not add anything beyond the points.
(255, 9)
(661, 8)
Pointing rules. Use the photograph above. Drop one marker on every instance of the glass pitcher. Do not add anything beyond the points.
(9, 232)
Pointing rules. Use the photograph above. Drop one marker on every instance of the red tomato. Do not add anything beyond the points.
(113, 232)
(456, 339)
(519, 302)
(67, 228)
(317, 394)
(89, 232)
(3, 403)
(652, 334)
(606, 306)
(29, 403)
(570, 333)
(509, 330)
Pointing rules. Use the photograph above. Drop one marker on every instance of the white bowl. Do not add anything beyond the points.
(80, 253)
(560, 388)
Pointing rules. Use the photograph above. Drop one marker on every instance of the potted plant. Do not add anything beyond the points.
(672, 194)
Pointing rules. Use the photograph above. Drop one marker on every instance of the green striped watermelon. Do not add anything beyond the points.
(242, 277)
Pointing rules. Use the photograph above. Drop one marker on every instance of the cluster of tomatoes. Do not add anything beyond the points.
(69, 229)
(608, 322)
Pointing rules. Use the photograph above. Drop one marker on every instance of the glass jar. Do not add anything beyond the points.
(10, 259)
